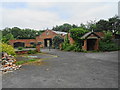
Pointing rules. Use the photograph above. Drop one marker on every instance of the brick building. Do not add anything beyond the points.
(91, 40)
(45, 39)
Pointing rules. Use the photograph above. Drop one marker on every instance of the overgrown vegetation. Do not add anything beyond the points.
(7, 48)
(76, 34)
(57, 40)
(17, 33)
(26, 61)
(107, 44)
(20, 48)
(32, 51)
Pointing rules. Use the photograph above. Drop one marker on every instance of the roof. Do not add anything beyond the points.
(88, 34)
(58, 32)
(64, 33)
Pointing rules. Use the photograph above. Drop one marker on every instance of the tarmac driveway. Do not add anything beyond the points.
(68, 70)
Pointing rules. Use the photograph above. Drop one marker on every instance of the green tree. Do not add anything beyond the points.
(57, 40)
(114, 24)
(102, 25)
(77, 33)
(7, 48)
(91, 25)
(7, 37)
(64, 28)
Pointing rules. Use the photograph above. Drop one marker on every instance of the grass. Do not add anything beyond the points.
(22, 62)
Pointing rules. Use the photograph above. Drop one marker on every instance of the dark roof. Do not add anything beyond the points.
(88, 34)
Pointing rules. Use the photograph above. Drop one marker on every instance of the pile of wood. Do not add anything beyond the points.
(8, 63)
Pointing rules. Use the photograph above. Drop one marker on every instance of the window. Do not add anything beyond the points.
(32, 43)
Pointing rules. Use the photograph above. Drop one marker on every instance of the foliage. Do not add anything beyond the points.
(107, 37)
(64, 28)
(57, 40)
(7, 48)
(32, 51)
(102, 25)
(26, 61)
(21, 33)
(77, 47)
(20, 48)
(91, 25)
(7, 37)
(108, 46)
(114, 24)
(77, 33)
(66, 43)
(69, 48)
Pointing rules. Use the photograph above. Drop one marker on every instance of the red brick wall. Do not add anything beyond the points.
(70, 39)
(26, 41)
(45, 35)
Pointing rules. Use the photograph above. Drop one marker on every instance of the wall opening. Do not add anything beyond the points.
(48, 42)
(91, 44)
(19, 44)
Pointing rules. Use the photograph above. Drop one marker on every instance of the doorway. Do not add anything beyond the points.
(91, 44)
(48, 42)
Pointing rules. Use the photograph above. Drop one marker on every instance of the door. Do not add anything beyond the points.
(91, 44)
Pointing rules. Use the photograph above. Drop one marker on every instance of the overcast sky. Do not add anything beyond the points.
(43, 14)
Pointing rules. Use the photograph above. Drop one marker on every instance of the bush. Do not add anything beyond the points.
(32, 52)
(77, 47)
(57, 40)
(7, 48)
(108, 37)
(69, 48)
(104, 46)
(20, 48)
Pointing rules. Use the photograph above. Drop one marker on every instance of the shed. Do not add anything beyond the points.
(91, 41)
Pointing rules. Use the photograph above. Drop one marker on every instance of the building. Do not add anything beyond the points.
(90, 40)
(45, 39)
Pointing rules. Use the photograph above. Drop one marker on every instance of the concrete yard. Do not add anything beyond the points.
(68, 70)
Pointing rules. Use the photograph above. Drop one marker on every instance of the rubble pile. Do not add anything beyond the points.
(8, 63)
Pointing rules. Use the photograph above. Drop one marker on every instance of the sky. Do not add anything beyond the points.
(41, 15)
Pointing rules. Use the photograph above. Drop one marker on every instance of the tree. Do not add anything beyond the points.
(102, 25)
(7, 48)
(114, 24)
(91, 25)
(77, 33)
(64, 28)
(57, 40)
(7, 37)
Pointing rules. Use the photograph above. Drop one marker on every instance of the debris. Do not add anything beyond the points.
(8, 63)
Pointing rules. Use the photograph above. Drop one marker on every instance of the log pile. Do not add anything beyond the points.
(8, 63)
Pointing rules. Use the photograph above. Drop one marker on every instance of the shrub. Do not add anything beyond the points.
(32, 52)
(20, 48)
(69, 48)
(57, 40)
(7, 48)
(77, 33)
(77, 47)
(105, 46)
(108, 37)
